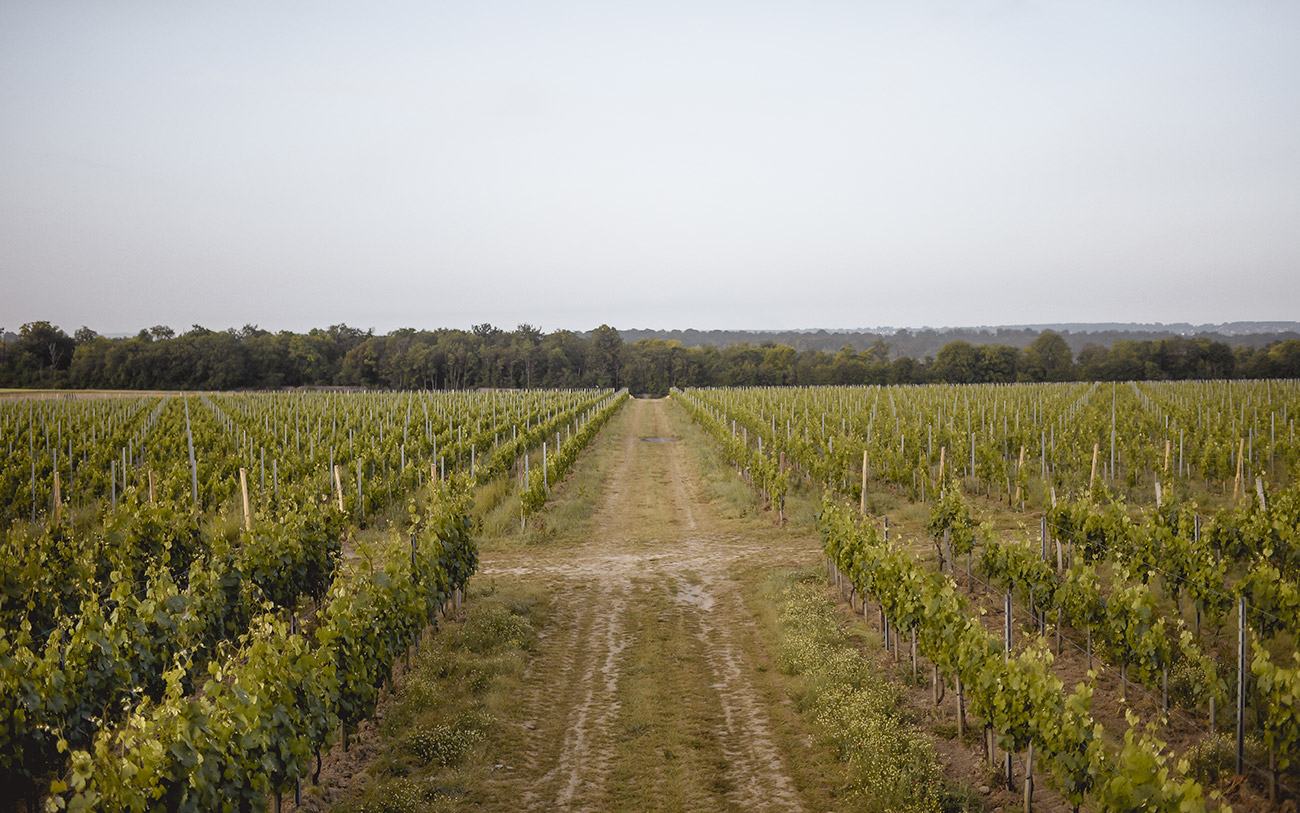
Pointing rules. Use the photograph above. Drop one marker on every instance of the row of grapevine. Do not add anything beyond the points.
(1026, 440)
(285, 693)
(384, 444)
(1242, 558)
(1126, 625)
(765, 472)
(1253, 552)
(112, 635)
(556, 463)
(1016, 695)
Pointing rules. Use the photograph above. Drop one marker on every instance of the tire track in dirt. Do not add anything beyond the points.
(756, 769)
(651, 527)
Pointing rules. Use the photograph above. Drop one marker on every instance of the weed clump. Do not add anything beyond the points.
(494, 627)
(444, 745)
(891, 765)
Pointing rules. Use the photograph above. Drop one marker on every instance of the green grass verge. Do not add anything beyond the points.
(448, 704)
(888, 765)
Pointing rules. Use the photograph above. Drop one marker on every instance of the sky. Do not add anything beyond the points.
(669, 165)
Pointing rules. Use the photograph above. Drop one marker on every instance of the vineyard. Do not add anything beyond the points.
(1149, 531)
(200, 594)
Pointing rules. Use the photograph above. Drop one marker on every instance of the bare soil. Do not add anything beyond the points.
(644, 693)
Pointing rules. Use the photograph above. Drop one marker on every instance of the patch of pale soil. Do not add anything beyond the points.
(651, 526)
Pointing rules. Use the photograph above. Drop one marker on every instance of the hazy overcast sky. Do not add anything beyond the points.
(648, 164)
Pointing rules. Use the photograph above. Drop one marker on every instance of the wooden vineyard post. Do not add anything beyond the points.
(1092, 478)
(243, 490)
(1029, 779)
(31, 455)
(58, 501)
(1236, 484)
(1259, 490)
(338, 486)
(152, 498)
(1241, 684)
(1019, 466)
(862, 508)
(943, 452)
(961, 709)
(914, 654)
(1008, 631)
(194, 466)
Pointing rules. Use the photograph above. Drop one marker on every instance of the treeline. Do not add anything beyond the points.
(42, 355)
(922, 342)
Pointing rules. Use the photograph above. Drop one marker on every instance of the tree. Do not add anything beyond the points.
(1125, 362)
(47, 346)
(1284, 359)
(604, 350)
(778, 363)
(527, 339)
(848, 367)
(878, 352)
(997, 363)
(565, 358)
(1047, 358)
(90, 363)
(958, 363)
(1092, 362)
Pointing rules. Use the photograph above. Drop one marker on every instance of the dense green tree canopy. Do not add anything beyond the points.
(42, 355)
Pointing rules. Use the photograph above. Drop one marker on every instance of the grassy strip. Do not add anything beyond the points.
(449, 703)
(889, 765)
(497, 503)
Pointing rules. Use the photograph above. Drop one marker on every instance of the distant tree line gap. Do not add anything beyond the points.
(41, 355)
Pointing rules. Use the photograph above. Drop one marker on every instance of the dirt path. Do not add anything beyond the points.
(643, 692)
